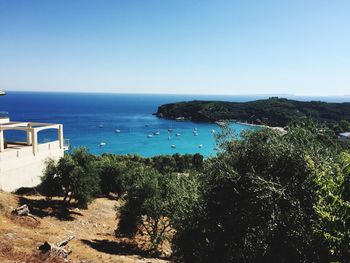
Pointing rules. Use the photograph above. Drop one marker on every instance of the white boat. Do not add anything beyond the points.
(149, 136)
(178, 134)
(195, 129)
(102, 144)
(173, 146)
(195, 133)
(170, 130)
(157, 133)
(100, 126)
(117, 131)
(213, 131)
(200, 146)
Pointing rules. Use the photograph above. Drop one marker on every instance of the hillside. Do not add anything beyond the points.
(93, 229)
(273, 111)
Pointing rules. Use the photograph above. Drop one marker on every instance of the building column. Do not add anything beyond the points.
(60, 135)
(34, 141)
(2, 141)
(29, 135)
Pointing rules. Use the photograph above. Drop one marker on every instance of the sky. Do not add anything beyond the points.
(299, 47)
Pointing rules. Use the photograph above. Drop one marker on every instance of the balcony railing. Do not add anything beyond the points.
(4, 114)
(66, 144)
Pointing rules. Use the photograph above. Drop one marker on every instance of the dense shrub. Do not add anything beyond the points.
(333, 204)
(74, 176)
(266, 198)
(155, 203)
(81, 175)
(113, 175)
(273, 112)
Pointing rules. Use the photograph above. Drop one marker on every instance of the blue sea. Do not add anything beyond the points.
(92, 118)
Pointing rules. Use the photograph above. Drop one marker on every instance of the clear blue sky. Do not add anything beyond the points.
(182, 46)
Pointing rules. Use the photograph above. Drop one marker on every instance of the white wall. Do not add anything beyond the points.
(20, 168)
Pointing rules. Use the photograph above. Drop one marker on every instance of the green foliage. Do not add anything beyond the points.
(164, 164)
(177, 163)
(273, 112)
(143, 188)
(271, 198)
(51, 184)
(267, 197)
(113, 175)
(81, 175)
(333, 204)
(155, 203)
(74, 176)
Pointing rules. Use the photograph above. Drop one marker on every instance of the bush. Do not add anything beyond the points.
(144, 187)
(73, 176)
(155, 203)
(113, 175)
(266, 198)
(333, 204)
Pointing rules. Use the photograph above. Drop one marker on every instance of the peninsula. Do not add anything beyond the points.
(272, 112)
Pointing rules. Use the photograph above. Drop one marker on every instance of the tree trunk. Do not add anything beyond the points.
(21, 211)
(57, 248)
(65, 241)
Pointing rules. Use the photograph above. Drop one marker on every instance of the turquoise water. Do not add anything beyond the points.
(90, 119)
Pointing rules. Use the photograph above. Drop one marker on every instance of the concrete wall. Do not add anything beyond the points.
(21, 168)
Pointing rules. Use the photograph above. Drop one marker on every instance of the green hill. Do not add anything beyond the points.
(273, 111)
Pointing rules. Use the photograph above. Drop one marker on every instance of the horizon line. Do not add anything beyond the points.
(180, 94)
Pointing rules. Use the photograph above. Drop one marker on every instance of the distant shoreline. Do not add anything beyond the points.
(281, 129)
(224, 122)
(274, 112)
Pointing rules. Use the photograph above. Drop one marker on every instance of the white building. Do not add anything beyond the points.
(344, 136)
(22, 162)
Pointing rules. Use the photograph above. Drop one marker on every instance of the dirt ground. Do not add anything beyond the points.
(93, 229)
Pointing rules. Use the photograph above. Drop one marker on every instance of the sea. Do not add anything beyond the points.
(122, 123)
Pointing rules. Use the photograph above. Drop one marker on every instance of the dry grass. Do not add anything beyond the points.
(93, 228)
(9, 254)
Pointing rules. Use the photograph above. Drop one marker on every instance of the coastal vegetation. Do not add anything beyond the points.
(271, 112)
(268, 196)
(80, 176)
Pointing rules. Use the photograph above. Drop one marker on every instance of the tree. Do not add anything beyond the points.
(155, 204)
(113, 175)
(333, 204)
(258, 199)
(51, 184)
(74, 175)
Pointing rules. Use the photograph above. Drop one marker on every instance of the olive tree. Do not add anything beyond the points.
(74, 176)
(258, 200)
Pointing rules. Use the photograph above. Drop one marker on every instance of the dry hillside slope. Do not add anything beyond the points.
(93, 229)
